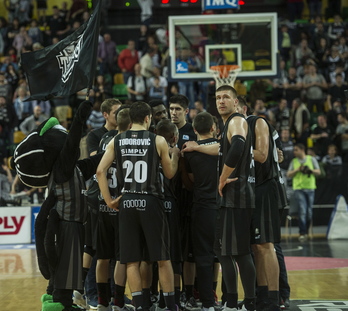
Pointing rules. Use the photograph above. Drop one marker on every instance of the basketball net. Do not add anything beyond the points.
(225, 74)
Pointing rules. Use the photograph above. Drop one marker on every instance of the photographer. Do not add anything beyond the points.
(303, 169)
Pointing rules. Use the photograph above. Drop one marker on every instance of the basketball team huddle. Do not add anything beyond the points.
(186, 196)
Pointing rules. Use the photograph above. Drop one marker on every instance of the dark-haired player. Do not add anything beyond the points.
(108, 225)
(143, 225)
(169, 131)
(203, 173)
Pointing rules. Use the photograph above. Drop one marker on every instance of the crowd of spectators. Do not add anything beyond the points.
(307, 99)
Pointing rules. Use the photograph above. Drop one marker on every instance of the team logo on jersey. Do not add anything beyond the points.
(185, 137)
(68, 57)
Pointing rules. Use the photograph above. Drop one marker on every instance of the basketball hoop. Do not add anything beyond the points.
(225, 74)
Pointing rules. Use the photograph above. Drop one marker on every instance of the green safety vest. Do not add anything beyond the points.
(300, 180)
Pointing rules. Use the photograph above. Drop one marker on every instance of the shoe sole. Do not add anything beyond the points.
(81, 305)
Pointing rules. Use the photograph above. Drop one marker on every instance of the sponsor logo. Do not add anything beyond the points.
(106, 209)
(167, 206)
(68, 57)
(134, 203)
(181, 67)
(134, 152)
(11, 225)
(251, 179)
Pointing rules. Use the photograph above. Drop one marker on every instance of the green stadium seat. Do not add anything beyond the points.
(121, 47)
(248, 84)
(120, 91)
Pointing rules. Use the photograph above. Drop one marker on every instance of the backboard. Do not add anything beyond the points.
(198, 42)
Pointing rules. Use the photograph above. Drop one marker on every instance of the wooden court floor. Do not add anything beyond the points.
(21, 283)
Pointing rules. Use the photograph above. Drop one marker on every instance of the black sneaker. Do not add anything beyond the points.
(182, 300)
(191, 305)
(240, 305)
(287, 303)
(247, 305)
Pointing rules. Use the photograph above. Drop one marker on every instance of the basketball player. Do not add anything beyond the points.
(203, 173)
(108, 229)
(236, 188)
(139, 154)
(266, 224)
(170, 132)
(178, 109)
(108, 108)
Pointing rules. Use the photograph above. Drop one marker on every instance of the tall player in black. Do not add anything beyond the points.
(178, 109)
(203, 173)
(237, 201)
(266, 224)
(236, 188)
(108, 224)
(268, 213)
(143, 224)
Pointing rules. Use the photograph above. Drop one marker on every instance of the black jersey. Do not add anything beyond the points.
(94, 137)
(138, 163)
(204, 169)
(240, 193)
(111, 173)
(71, 197)
(169, 184)
(186, 133)
(283, 200)
(267, 170)
(288, 153)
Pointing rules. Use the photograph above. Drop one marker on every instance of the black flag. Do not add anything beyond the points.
(66, 67)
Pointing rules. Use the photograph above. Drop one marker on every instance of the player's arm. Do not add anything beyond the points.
(237, 132)
(102, 169)
(169, 164)
(261, 141)
(212, 149)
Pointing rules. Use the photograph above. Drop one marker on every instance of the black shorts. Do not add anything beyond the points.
(233, 231)
(203, 222)
(143, 225)
(266, 224)
(108, 245)
(172, 214)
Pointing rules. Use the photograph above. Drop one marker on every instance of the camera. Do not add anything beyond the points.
(306, 170)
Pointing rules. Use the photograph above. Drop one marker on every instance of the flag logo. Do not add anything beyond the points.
(66, 67)
(68, 57)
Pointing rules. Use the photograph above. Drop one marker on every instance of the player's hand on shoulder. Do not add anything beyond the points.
(189, 146)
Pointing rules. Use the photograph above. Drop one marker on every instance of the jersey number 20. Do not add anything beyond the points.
(138, 171)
